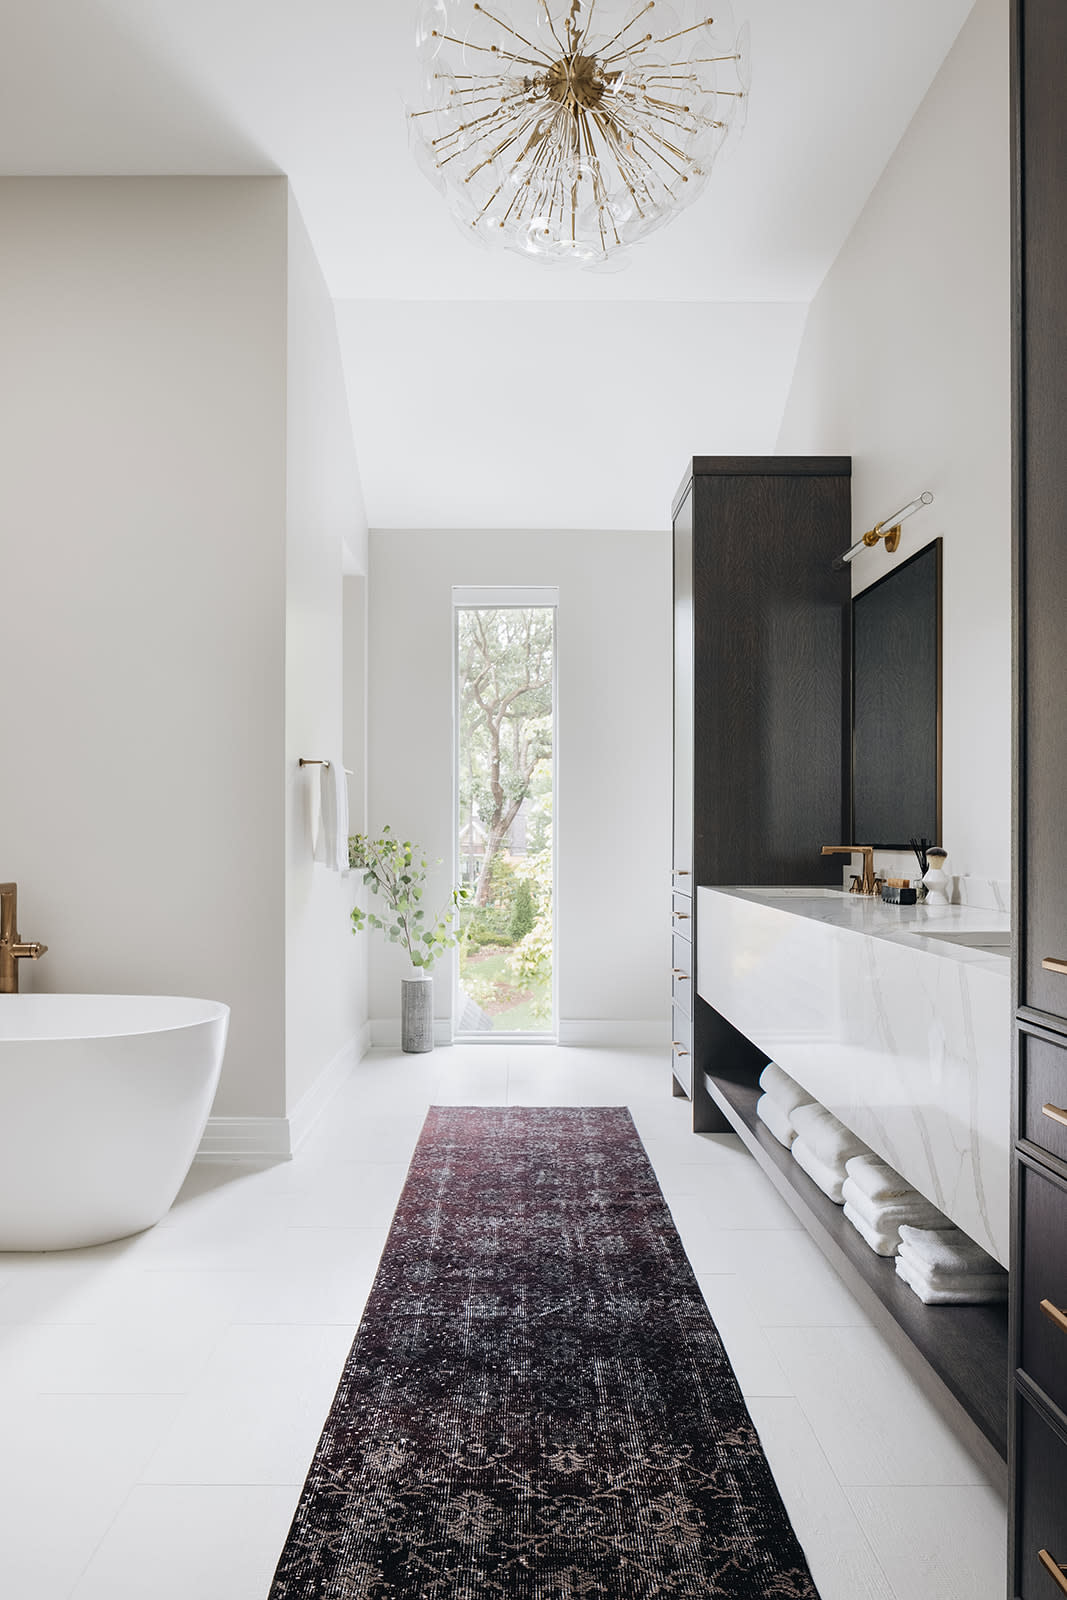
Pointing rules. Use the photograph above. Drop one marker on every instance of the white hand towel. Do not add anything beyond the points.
(331, 846)
(827, 1178)
(775, 1119)
(947, 1250)
(783, 1090)
(981, 1291)
(882, 1243)
(877, 1178)
(826, 1137)
(888, 1215)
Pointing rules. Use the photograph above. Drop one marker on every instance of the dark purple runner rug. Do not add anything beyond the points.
(537, 1404)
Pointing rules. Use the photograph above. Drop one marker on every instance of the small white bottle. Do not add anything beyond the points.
(936, 880)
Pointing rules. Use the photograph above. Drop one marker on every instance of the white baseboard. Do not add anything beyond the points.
(246, 1139)
(276, 1138)
(385, 1032)
(649, 1032)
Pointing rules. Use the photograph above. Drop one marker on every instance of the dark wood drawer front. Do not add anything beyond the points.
(1043, 1353)
(682, 914)
(1041, 1465)
(1043, 1071)
(682, 974)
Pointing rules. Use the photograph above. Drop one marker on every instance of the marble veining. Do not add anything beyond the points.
(902, 1035)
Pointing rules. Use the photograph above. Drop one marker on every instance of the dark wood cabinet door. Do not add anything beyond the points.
(1042, 1491)
(1042, 463)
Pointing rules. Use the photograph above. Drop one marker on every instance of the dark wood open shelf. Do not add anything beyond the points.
(962, 1351)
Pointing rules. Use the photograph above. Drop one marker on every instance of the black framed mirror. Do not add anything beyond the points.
(896, 705)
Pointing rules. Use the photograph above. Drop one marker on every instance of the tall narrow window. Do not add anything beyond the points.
(505, 784)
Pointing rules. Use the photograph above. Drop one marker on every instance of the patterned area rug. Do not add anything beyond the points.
(537, 1404)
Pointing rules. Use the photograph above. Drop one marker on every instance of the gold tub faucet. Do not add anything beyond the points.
(12, 949)
(870, 884)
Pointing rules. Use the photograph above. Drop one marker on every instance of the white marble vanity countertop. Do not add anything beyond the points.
(878, 1011)
(926, 927)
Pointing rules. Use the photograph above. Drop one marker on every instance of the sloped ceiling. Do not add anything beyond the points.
(488, 391)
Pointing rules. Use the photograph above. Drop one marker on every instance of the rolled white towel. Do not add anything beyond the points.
(775, 1119)
(827, 1178)
(826, 1137)
(877, 1179)
(979, 1290)
(946, 1250)
(883, 1244)
(887, 1215)
(783, 1090)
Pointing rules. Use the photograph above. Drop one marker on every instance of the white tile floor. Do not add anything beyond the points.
(161, 1397)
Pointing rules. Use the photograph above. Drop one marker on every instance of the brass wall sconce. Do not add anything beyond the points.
(888, 529)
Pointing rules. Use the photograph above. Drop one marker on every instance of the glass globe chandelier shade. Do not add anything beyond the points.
(570, 129)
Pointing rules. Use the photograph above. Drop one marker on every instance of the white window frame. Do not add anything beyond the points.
(498, 597)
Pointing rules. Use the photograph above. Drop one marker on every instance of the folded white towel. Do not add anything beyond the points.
(782, 1088)
(877, 1179)
(331, 845)
(981, 1290)
(887, 1215)
(826, 1137)
(883, 1244)
(775, 1119)
(827, 1178)
(947, 1250)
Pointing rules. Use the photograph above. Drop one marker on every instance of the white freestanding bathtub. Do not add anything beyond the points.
(103, 1101)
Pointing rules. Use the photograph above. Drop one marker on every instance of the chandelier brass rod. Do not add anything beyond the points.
(705, 22)
(627, 26)
(486, 49)
(552, 27)
(508, 29)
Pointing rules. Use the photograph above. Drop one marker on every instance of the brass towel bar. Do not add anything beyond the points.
(306, 761)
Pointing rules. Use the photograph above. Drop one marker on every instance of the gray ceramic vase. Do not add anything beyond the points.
(416, 1015)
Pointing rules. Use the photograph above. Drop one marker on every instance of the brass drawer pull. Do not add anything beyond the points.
(682, 872)
(1054, 1314)
(1054, 1113)
(680, 973)
(1054, 1567)
(677, 1043)
(683, 916)
(1055, 964)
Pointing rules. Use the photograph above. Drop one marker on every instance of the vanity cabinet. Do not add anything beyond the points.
(761, 652)
(1038, 1453)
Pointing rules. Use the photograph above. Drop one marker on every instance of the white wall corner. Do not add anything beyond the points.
(329, 1081)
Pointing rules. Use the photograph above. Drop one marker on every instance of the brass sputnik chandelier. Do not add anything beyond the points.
(573, 128)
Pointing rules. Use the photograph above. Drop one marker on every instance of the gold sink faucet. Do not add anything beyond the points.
(870, 884)
(12, 949)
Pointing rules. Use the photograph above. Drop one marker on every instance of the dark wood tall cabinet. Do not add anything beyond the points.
(1038, 1313)
(761, 614)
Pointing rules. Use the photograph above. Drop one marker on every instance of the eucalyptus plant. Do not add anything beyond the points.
(396, 871)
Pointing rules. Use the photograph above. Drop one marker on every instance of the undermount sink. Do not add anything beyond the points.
(995, 939)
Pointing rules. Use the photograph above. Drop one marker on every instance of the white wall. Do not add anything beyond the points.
(168, 376)
(614, 755)
(142, 509)
(325, 978)
(905, 364)
(537, 414)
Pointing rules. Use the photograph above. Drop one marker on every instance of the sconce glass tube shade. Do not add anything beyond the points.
(570, 129)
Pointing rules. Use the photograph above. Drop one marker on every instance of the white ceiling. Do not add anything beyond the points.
(316, 89)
